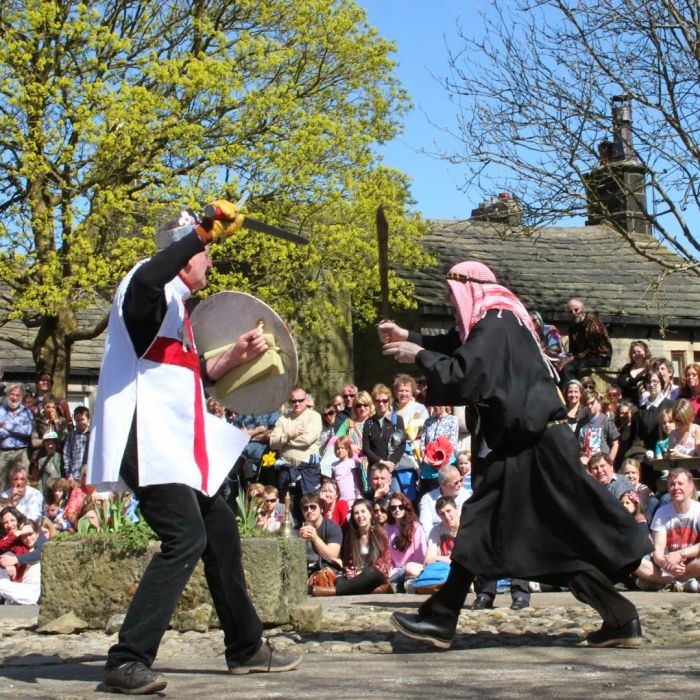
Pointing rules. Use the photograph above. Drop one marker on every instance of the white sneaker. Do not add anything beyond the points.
(691, 585)
(534, 587)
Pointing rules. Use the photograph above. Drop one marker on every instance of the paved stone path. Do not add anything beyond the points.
(498, 654)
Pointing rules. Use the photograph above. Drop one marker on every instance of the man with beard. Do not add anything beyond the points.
(16, 422)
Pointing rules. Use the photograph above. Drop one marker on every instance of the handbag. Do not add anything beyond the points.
(323, 577)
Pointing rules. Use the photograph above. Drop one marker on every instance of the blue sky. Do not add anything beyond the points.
(421, 30)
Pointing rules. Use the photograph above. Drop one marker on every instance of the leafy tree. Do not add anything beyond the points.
(113, 113)
(535, 90)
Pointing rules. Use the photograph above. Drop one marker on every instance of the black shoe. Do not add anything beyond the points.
(519, 602)
(629, 635)
(268, 660)
(482, 602)
(438, 630)
(133, 678)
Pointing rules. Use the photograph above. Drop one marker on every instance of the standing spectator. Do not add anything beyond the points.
(575, 411)
(331, 423)
(596, 432)
(613, 396)
(464, 464)
(49, 462)
(675, 531)
(413, 413)
(631, 377)
(28, 500)
(691, 387)
(665, 368)
(44, 384)
(345, 471)
(16, 423)
(348, 394)
(75, 448)
(49, 419)
(589, 344)
(379, 436)
(441, 424)
(626, 423)
(258, 428)
(295, 438)
(362, 409)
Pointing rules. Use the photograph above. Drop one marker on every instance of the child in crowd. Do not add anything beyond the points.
(666, 427)
(344, 470)
(630, 501)
(49, 464)
(54, 512)
(76, 445)
(59, 491)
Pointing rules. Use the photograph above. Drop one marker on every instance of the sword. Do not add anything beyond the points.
(212, 212)
(383, 261)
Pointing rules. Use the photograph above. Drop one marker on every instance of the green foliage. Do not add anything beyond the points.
(113, 113)
(246, 517)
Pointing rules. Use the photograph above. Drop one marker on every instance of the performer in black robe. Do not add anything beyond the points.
(535, 513)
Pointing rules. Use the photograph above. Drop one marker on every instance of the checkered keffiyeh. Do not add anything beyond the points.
(476, 291)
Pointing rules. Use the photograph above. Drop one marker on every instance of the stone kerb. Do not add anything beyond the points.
(95, 582)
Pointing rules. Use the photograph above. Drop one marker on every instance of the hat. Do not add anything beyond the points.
(439, 452)
(50, 435)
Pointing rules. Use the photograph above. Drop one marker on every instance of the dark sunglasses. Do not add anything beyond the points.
(297, 400)
(397, 507)
(348, 396)
(381, 400)
(311, 506)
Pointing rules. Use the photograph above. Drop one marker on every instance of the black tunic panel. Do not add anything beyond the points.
(536, 513)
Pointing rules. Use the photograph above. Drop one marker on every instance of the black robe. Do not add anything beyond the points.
(536, 513)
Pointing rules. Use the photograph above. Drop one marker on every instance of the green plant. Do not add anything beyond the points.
(247, 516)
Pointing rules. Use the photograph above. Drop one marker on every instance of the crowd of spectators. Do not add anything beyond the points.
(377, 479)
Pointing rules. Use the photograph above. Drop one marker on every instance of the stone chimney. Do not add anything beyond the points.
(502, 209)
(616, 189)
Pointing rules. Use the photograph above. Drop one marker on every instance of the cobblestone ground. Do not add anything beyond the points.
(361, 624)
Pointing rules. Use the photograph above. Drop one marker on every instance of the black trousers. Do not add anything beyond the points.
(365, 582)
(518, 587)
(590, 586)
(190, 526)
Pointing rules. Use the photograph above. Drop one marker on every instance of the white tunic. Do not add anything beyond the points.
(178, 440)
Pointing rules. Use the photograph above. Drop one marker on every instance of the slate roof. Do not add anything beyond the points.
(549, 267)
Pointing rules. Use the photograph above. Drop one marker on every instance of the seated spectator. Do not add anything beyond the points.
(441, 539)
(575, 411)
(653, 402)
(632, 469)
(56, 514)
(345, 471)
(666, 427)
(271, 512)
(60, 491)
(47, 528)
(450, 483)
(379, 483)
(600, 467)
(675, 531)
(11, 520)
(380, 511)
(76, 445)
(464, 464)
(44, 385)
(88, 513)
(631, 377)
(25, 587)
(49, 463)
(629, 443)
(323, 537)
(333, 506)
(630, 502)
(690, 388)
(25, 498)
(595, 431)
(442, 424)
(16, 424)
(407, 541)
(549, 337)
(365, 555)
(589, 344)
(684, 440)
(613, 397)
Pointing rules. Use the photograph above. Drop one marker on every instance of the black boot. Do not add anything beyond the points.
(438, 630)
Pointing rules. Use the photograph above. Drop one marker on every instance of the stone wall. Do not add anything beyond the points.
(79, 575)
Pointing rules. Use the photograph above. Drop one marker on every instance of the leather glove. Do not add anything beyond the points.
(221, 219)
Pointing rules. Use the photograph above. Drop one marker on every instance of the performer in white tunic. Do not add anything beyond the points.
(152, 433)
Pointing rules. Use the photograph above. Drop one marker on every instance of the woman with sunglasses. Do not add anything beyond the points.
(365, 555)
(353, 427)
(407, 540)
